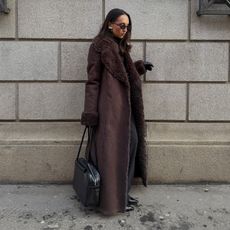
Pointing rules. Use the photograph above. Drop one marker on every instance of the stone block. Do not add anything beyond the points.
(59, 19)
(39, 151)
(198, 61)
(189, 163)
(137, 51)
(153, 19)
(209, 102)
(43, 133)
(7, 21)
(164, 101)
(74, 60)
(196, 133)
(7, 101)
(27, 60)
(54, 101)
(209, 27)
(37, 163)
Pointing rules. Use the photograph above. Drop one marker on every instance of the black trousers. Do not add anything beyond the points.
(132, 153)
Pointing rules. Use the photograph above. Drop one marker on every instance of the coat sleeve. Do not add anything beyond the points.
(92, 86)
(140, 67)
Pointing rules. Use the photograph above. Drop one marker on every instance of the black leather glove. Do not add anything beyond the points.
(148, 65)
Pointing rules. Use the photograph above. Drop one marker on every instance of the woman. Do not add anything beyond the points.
(114, 108)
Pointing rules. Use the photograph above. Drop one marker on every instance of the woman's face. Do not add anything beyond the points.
(119, 27)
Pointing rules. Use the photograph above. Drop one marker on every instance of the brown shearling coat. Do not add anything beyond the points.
(109, 98)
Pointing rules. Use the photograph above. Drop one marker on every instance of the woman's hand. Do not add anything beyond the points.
(148, 65)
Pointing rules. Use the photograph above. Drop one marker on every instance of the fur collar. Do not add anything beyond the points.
(112, 60)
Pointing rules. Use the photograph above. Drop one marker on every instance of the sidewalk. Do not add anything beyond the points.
(167, 207)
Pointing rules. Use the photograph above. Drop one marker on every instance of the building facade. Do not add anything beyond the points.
(43, 52)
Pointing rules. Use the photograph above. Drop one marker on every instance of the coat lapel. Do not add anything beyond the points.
(135, 80)
(111, 58)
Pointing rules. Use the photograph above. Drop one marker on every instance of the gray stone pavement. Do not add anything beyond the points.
(172, 207)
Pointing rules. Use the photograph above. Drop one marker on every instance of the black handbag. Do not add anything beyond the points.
(86, 180)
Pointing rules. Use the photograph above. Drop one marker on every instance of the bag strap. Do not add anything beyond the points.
(89, 143)
(79, 150)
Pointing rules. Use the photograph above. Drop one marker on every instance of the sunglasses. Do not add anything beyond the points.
(123, 26)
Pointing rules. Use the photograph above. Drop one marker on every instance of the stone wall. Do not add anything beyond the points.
(43, 50)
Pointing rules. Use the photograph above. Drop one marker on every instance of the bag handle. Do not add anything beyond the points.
(89, 143)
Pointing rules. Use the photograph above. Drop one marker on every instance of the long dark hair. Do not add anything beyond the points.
(111, 17)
